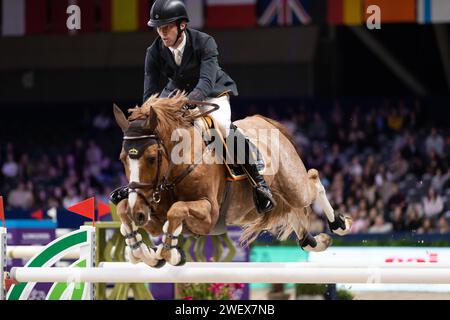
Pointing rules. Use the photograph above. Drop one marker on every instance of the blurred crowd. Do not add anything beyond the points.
(382, 165)
(385, 166)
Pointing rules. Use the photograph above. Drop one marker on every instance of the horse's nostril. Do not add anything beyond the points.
(140, 217)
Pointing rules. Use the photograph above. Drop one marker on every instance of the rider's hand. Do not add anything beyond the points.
(188, 106)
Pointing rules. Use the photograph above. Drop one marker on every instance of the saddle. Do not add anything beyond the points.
(234, 172)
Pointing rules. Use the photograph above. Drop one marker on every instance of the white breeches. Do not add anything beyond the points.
(222, 116)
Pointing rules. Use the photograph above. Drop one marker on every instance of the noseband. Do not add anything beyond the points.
(159, 185)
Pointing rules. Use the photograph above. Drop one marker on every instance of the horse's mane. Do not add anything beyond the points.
(170, 115)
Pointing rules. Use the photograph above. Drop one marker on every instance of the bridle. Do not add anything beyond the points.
(162, 183)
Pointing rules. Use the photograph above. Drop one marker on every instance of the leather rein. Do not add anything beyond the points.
(163, 183)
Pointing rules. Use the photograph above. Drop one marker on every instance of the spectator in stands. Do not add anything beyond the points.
(433, 204)
(447, 147)
(413, 220)
(399, 167)
(427, 226)
(318, 129)
(439, 179)
(10, 168)
(380, 226)
(443, 225)
(435, 142)
(395, 120)
(398, 223)
(397, 199)
(21, 197)
(360, 221)
(71, 198)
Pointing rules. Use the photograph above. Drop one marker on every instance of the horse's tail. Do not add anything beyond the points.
(280, 127)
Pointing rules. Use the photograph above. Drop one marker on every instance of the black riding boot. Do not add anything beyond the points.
(262, 196)
(118, 195)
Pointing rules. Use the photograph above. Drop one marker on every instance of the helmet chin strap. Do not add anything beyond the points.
(180, 31)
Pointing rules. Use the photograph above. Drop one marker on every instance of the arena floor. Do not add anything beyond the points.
(261, 294)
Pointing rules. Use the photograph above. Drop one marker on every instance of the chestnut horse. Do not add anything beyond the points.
(172, 199)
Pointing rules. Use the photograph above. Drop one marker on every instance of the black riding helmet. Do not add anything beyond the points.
(167, 11)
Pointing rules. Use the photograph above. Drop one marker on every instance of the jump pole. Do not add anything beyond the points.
(214, 272)
(82, 240)
(2, 262)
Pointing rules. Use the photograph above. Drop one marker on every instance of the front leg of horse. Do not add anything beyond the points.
(196, 214)
(136, 250)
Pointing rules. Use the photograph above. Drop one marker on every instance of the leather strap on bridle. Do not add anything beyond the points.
(158, 185)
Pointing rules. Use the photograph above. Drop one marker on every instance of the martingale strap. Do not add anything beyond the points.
(136, 245)
(171, 236)
(168, 246)
(131, 235)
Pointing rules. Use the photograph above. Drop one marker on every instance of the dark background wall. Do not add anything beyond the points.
(296, 61)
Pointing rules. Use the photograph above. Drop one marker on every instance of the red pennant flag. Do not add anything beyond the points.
(38, 214)
(2, 212)
(84, 208)
(103, 209)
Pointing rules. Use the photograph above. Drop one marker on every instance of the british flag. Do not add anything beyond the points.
(283, 12)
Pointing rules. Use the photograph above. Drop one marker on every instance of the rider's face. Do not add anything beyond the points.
(168, 33)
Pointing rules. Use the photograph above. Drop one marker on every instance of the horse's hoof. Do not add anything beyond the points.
(322, 242)
(341, 225)
(182, 258)
(159, 264)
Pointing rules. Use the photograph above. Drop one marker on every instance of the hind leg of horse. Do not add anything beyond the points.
(196, 214)
(339, 224)
(136, 250)
(299, 223)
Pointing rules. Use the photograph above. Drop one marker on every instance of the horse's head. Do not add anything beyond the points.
(142, 156)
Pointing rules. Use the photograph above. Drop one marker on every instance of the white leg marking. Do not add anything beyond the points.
(134, 177)
(324, 203)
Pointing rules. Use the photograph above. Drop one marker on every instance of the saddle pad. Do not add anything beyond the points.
(234, 172)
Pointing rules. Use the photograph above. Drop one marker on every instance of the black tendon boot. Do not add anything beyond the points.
(118, 195)
(262, 196)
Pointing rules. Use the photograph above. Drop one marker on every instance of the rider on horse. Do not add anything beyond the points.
(185, 59)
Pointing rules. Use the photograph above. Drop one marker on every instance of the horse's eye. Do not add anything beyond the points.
(151, 160)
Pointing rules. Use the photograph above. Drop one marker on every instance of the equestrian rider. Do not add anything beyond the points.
(182, 58)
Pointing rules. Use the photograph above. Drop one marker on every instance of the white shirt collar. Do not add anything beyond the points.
(181, 46)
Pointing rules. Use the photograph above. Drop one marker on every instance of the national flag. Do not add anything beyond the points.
(102, 209)
(144, 7)
(347, 12)
(106, 15)
(433, 11)
(13, 17)
(38, 214)
(124, 15)
(88, 19)
(195, 10)
(397, 11)
(2, 211)
(35, 16)
(231, 13)
(284, 12)
(58, 16)
(84, 208)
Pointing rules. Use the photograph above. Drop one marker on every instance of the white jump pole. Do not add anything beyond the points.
(228, 274)
(2, 263)
(282, 265)
(28, 252)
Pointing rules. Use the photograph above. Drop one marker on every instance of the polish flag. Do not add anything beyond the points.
(231, 13)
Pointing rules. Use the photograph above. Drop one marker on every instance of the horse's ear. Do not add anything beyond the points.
(152, 120)
(120, 118)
